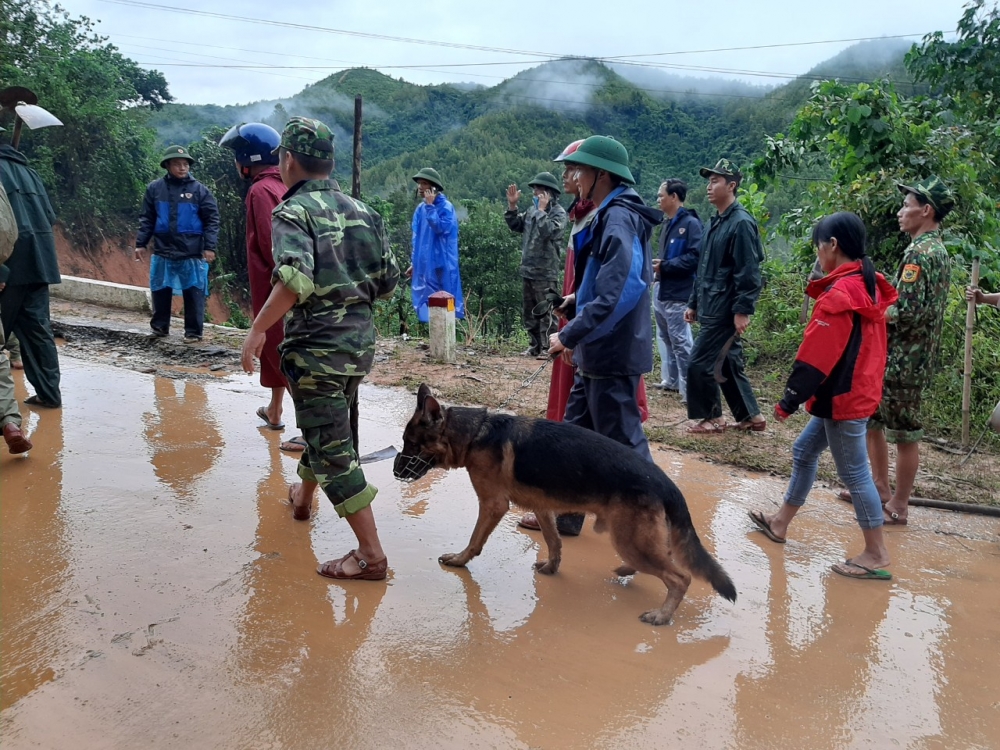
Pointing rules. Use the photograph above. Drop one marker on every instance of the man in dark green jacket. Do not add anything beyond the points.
(723, 299)
(25, 278)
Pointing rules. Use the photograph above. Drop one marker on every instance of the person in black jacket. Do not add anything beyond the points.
(675, 271)
(723, 300)
(181, 217)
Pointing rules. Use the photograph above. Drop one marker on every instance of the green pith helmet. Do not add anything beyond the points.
(932, 190)
(431, 176)
(603, 152)
(176, 152)
(546, 180)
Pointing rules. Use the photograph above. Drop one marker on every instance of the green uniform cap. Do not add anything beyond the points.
(546, 180)
(307, 137)
(176, 152)
(722, 167)
(605, 153)
(431, 176)
(934, 191)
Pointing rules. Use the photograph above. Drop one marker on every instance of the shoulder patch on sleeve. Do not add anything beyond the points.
(911, 272)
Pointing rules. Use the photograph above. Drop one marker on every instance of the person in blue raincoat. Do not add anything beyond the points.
(434, 263)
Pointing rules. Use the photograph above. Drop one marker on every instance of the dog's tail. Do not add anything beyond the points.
(699, 562)
(703, 565)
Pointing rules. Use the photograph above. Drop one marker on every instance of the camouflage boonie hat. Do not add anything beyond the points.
(722, 167)
(934, 191)
(176, 152)
(308, 137)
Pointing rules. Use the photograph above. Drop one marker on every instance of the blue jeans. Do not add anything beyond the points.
(846, 441)
(676, 342)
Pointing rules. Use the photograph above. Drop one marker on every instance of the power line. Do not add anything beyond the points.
(328, 30)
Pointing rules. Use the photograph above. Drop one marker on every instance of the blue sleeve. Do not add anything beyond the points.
(147, 219)
(687, 262)
(617, 287)
(441, 218)
(208, 212)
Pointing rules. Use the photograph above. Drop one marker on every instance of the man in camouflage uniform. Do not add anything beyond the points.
(543, 226)
(914, 329)
(332, 260)
(723, 300)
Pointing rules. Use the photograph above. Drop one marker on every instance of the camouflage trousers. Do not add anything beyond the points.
(9, 413)
(323, 414)
(898, 414)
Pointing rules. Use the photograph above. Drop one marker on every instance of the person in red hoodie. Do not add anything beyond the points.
(838, 375)
(252, 145)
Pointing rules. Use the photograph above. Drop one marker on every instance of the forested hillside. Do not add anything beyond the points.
(483, 138)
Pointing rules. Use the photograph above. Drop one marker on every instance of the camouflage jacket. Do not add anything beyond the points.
(543, 242)
(915, 321)
(332, 251)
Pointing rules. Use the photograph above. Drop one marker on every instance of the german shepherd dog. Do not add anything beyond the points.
(552, 467)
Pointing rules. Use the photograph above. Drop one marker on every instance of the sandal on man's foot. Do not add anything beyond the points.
(892, 518)
(529, 521)
(707, 427)
(748, 425)
(299, 512)
(262, 413)
(296, 444)
(370, 571)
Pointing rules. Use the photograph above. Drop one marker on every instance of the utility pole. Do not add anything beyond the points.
(356, 181)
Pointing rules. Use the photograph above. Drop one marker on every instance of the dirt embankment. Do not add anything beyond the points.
(113, 261)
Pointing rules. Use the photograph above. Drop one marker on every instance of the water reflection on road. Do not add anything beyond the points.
(156, 593)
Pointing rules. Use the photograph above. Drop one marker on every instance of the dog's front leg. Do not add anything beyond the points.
(547, 522)
(491, 510)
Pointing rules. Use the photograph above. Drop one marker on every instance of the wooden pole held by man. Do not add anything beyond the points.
(970, 325)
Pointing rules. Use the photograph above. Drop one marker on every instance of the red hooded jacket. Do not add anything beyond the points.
(839, 367)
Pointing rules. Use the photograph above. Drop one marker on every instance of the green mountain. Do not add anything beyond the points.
(483, 138)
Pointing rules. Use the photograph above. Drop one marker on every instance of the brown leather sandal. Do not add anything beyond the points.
(370, 571)
(299, 512)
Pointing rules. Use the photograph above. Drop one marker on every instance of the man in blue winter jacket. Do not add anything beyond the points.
(434, 264)
(610, 334)
(675, 271)
(181, 218)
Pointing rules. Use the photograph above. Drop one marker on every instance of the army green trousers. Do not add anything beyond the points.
(323, 414)
(9, 413)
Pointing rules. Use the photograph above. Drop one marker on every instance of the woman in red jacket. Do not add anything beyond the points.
(838, 375)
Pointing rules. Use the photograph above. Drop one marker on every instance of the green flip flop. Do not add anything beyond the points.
(868, 574)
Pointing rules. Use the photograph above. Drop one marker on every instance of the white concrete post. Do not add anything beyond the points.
(441, 314)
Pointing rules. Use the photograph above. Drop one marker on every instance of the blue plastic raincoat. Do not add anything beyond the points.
(435, 255)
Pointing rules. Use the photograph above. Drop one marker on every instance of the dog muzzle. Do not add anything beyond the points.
(407, 468)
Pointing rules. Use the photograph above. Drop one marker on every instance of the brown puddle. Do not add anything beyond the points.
(156, 593)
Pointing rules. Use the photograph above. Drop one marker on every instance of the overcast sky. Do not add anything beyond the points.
(519, 36)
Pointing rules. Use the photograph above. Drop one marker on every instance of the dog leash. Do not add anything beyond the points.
(524, 384)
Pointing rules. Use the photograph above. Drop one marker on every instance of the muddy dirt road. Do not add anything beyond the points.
(156, 593)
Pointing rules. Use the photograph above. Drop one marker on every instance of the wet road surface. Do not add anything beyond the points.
(156, 593)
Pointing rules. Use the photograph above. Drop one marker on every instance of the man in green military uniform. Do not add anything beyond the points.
(25, 278)
(542, 226)
(723, 299)
(914, 330)
(332, 260)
